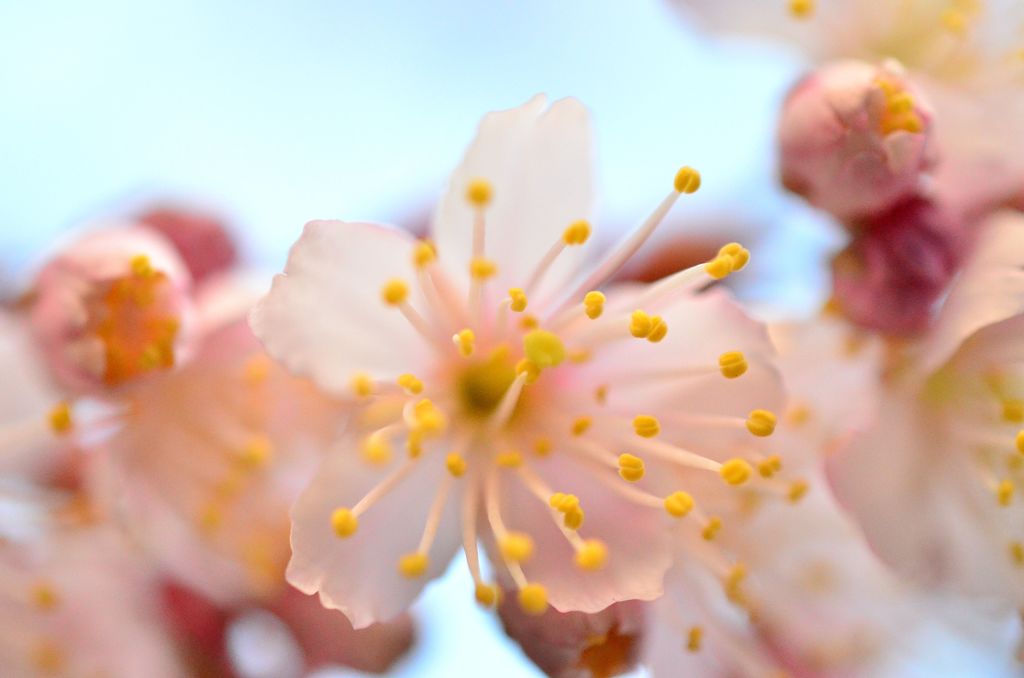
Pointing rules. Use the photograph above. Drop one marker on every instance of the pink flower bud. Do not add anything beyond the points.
(889, 278)
(854, 138)
(202, 240)
(576, 644)
(111, 307)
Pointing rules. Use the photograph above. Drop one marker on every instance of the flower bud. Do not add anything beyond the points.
(201, 240)
(855, 139)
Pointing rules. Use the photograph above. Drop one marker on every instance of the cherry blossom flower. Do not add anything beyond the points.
(500, 396)
(201, 239)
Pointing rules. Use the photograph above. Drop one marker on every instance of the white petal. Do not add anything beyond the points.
(324, 316)
(539, 162)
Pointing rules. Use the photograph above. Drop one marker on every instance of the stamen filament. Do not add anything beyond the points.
(434, 517)
(383, 487)
(508, 403)
(675, 454)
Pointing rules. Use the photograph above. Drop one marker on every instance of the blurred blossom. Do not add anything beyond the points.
(202, 240)
(519, 394)
(899, 263)
(855, 138)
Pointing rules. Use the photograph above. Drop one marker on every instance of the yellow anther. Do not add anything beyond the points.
(592, 555)
(533, 599)
(517, 299)
(424, 253)
(712, 528)
(59, 418)
(687, 180)
(573, 518)
(659, 328)
(601, 394)
(579, 355)
(529, 322)
(738, 255)
(801, 9)
(564, 502)
(543, 348)
(1013, 410)
(678, 504)
(428, 418)
(719, 267)
(902, 102)
(210, 518)
(736, 471)
(256, 453)
(394, 292)
(631, 467)
(770, 466)
(48, 658)
(1017, 553)
(761, 423)
(482, 268)
(465, 341)
(516, 547)
(410, 384)
(362, 385)
(527, 367)
(509, 459)
(733, 364)
(257, 369)
(798, 414)
(646, 426)
(344, 522)
(543, 446)
(414, 443)
(479, 192)
(413, 565)
(456, 464)
(581, 425)
(376, 449)
(1019, 441)
(593, 304)
(576, 233)
(694, 638)
(1004, 492)
(141, 266)
(954, 21)
(44, 596)
(734, 582)
(486, 594)
(640, 324)
(797, 490)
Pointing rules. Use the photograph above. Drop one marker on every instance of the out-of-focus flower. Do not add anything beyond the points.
(202, 239)
(111, 307)
(855, 138)
(575, 644)
(935, 480)
(900, 262)
(570, 427)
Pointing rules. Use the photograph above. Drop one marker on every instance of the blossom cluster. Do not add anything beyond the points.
(196, 460)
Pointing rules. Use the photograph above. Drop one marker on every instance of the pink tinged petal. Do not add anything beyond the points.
(324, 316)
(202, 240)
(990, 289)
(359, 574)
(538, 160)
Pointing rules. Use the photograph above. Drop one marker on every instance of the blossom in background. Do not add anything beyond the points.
(499, 395)
(202, 239)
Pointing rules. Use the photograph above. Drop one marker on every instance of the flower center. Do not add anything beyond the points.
(482, 384)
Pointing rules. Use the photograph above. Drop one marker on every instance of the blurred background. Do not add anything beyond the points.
(272, 114)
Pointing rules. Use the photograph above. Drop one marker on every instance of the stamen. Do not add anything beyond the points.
(543, 348)
(517, 299)
(581, 425)
(410, 384)
(509, 459)
(733, 364)
(591, 555)
(424, 253)
(379, 491)
(533, 599)
(679, 504)
(761, 423)
(503, 412)
(736, 471)
(1004, 492)
(694, 638)
(677, 455)
(485, 594)
(362, 385)
(646, 426)
(60, 419)
(465, 341)
(711, 529)
(576, 233)
(516, 547)
(456, 464)
(344, 522)
(413, 565)
(769, 466)
(593, 304)
(631, 467)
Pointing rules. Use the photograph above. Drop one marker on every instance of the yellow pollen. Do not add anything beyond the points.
(376, 449)
(394, 292)
(770, 466)
(516, 547)
(543, 348)
(414, 444)
(593, 304)
(801, 9)
(1019, 441)
(48, 658)
(543, 446)
(529, 368)
(710, 530)
(485, 594)
(428, 417)
(640, 324)
(517, 299)
(576, 233)
(569, 506)
(529, 322)
(413, 565)
(798, 414)
(1013, 410)
(694, 637)
(424, 254)
(761, 423)
(60, 419)
(44, 596)
(631, 467)
(344, 522)
(736, 471)
(142, 267)
(1004, 492)
(592, 555)
(1017, 553)
(733, 364)
(646, 426)
(719, 267)
(601, 394)
(410, 384)
(581, 425)
(482, 268)
(256, 453)
(687, 180)
(797, 491)
(210, 518)
(479, 192)
(509, 459)
(678, 504)
(362, 385)
(579, 355)
(465, 340)
(456, 464)
(573, 519)
(659, 328)
(257, 369)
(734, 581)
(738, 255)
(533, 599)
